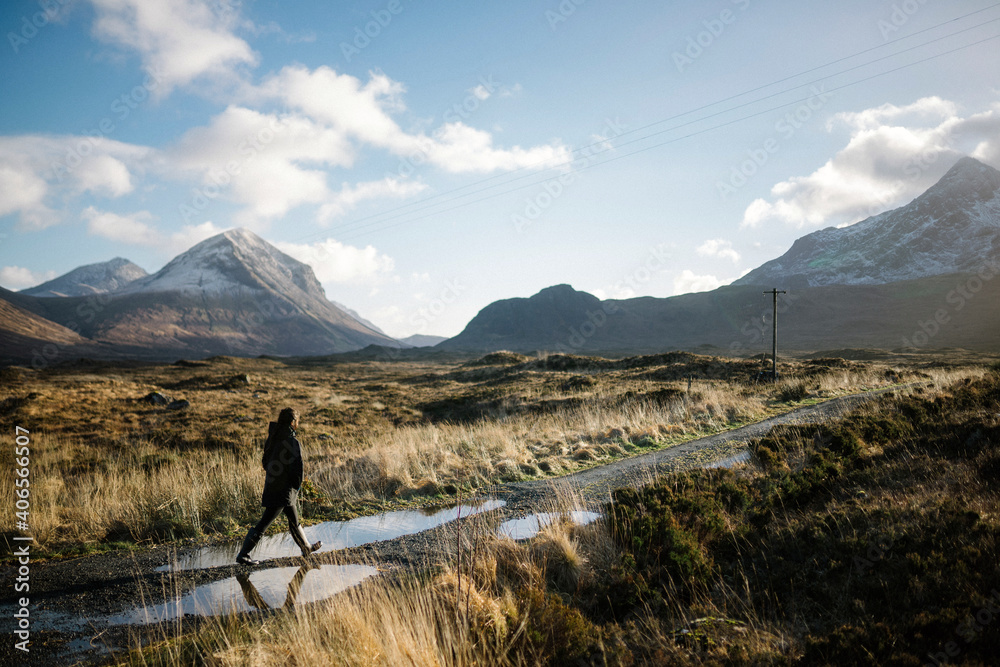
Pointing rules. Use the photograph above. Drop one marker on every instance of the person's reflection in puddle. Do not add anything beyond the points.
(254, 598)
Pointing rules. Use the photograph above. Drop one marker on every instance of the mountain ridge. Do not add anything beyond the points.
(233, 293)
(953, 227)
(952, 310)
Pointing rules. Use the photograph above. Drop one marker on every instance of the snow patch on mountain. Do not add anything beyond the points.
(235, 262)
(98, 278)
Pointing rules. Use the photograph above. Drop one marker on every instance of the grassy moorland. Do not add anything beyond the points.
(111, 469)
(872, 540)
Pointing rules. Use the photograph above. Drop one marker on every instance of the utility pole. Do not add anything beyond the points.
(774, 335)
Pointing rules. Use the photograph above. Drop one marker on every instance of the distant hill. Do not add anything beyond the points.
(25, 335)
(954, 227)
(231, 294)
(353, 313)
(955, 310)
(99, 278)
(422, 340)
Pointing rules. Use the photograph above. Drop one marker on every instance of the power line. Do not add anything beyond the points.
(646, 148)
(443, 198)
(706, 106)
(384, 215)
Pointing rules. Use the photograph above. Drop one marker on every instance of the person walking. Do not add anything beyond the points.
(282, 463)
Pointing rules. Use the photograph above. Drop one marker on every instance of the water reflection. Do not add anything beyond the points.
(527, 527)
(335, 535)
(274, 588)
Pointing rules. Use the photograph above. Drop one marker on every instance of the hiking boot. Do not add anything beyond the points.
(299, 536)
(249, 542)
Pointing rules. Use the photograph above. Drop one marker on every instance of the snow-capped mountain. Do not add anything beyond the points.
(236, 261)
(233, 294)
(953, 227)
(98, 278)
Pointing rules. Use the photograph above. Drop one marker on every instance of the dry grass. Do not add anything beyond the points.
(889, 514)
(108, 467)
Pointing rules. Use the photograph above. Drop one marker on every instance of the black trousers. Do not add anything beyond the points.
(270, 513)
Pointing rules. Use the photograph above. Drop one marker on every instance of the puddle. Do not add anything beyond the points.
(275, 588)
(334, 534)
(52, 621)
(522, 529)
(730, 461)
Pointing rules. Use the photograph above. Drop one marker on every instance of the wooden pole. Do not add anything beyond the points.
(774, 332)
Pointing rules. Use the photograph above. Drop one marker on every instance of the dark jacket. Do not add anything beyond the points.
(282, 462)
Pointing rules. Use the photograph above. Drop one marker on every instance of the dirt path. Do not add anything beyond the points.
(67, 596)
(595, 484)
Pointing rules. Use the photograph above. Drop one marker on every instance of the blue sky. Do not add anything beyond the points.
(430, 158)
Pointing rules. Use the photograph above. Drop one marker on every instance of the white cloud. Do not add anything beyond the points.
(23, 192)
(457, 148)
(618, 291)
(511, 91)
(190, 235)
(336, 262)
(271, 164)
(179, 41)
(132, 228)
(268, 163)
(893, 155)
(363, 111)
(718, 248)
(927, 108)
(37, 169)
(688, 282)
(135, 229)
(18, 277)
(350, 195)
(342, 102)
(480, 92)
